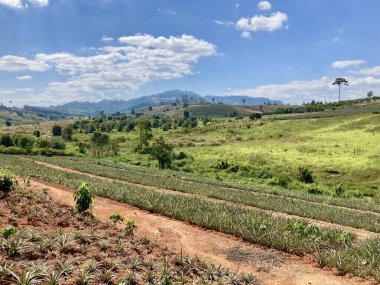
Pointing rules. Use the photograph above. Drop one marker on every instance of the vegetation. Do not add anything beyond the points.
(83, 197)
(57, 246)
(7, 182)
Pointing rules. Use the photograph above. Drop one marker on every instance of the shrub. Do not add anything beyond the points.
(25, 142)
(116, 218)
(223, 164)
(8, 232)
(314, 191)
(56, 130)
(338, 190)
(6, 140)
(254, 116)
(7, 182)
(305, 175)
(181, 155)
(83, 198)
(56, 144)
(37, 133)
(43, 143)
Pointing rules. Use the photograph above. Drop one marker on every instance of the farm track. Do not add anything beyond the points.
(361, 234)
(270, 266)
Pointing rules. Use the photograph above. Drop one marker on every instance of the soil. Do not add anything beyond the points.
(270, 266)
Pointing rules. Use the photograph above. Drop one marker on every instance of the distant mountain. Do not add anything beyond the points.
(238, 100)
(112, 106)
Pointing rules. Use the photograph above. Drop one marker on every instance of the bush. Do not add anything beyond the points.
(314, 191)
(83, 198)
(338, 190)
(56, 144)
(43, 143)
(6, 140)
(305, 175)
(56, 130)
(181, 155)
(8, 232)
(254, 116)
(223, 164)
(7, 182)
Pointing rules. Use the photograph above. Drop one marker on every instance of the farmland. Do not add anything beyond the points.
(305, 186)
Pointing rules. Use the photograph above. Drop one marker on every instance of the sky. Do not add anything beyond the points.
(57, 51)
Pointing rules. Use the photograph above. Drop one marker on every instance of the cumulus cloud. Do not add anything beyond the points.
(19, 4)
(107, 39)
(24, 77)
(115, 70)
(321, 89)
(347, 63)
(259, 23)
(17, 63)
(374, 70)
(264, 6)
(15, 4)
(246, 35)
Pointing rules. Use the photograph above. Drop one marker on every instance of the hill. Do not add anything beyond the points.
(238, 100)
(77, 108)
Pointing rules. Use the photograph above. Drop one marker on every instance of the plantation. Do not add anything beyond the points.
(44, 242)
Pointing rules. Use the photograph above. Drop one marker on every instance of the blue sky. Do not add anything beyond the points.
(56, 51)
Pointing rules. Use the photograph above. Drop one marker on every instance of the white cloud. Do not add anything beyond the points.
(24, 77)
(246, 35)
(15, 4)
(107, 39)
(20, 4)
(114, 70)
(299, 91)
(40, 3)
(347, 63)
(264, 6)
(168, 12)
(16, 63)
(374, 70)
(262, 23)
(224, 23)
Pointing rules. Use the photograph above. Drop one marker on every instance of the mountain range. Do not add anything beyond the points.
(77, 108)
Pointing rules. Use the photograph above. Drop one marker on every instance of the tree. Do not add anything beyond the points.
(37, 133)
(6, 140)
(244, 100)
(340, 81)
(56, 130)
(8, 123)
(370, 94)
(99, 143)
(145, 133)
(163, 152)
(83, 198)
(68, 133)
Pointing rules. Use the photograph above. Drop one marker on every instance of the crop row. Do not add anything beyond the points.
(316, 210)
(289, 235)
(178, 176)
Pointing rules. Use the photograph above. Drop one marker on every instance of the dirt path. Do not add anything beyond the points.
(361, 234)
(270, 266)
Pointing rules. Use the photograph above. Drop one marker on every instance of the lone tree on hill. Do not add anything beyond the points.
(244, 100)
(340, 81)
(370, 94)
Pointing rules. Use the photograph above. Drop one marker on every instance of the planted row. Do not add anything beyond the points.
(288, 235)
(339, 215)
